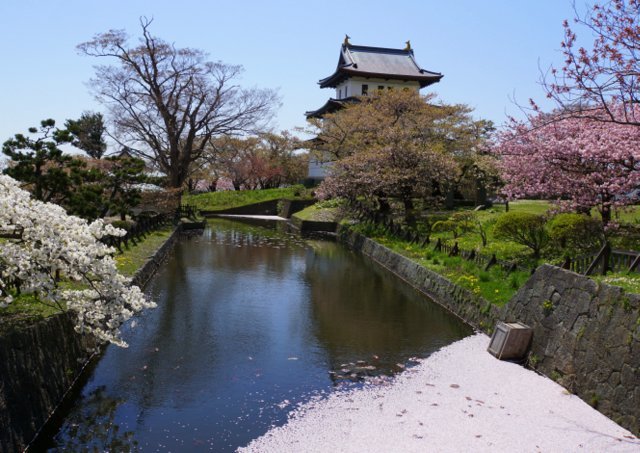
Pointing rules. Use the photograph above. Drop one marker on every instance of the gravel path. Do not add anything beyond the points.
(461, 399)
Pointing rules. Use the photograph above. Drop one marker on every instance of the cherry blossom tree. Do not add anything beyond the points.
(41, 244)
(398, 144)
(582, 163)
(600, 82)
(263, 161)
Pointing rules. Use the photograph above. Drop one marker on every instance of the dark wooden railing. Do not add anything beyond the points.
(605, 260)
(138, 230)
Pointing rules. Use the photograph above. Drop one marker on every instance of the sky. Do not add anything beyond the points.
(489, 51)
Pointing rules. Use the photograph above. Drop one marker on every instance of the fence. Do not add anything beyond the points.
(186, 210)
(606, 260)
(138, 230)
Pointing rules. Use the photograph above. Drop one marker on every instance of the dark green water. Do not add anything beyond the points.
(250, 322)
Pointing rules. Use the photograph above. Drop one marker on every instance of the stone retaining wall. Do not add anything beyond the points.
(149, 268)
(586, 335)
(41, 361)
(38, 365)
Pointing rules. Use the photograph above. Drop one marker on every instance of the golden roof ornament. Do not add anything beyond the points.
(408, 47)
(346, 40)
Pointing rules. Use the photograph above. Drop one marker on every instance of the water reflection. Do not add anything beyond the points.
(93, 428)
(250, 321)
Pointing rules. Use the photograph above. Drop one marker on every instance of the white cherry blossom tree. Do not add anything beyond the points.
(41, 246)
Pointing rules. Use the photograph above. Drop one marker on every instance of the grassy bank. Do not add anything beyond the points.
(29, 307)
(135, 256)
(494, 285)
(320, 212)
(213, 201)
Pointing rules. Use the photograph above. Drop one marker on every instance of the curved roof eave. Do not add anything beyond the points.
(342, 73)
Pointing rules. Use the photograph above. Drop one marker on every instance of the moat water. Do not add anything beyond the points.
(251, 321)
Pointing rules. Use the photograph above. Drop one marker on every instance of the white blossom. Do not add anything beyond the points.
(42, 242)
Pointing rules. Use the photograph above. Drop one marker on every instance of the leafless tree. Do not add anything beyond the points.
(165, 103)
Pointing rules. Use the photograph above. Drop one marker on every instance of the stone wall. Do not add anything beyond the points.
(586, 335)
(313, 226)
(38, 365)
(40, 362)
(149, 268)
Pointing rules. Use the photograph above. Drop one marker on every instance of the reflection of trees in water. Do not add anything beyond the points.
(93, 429)
(360, 308)
(247, 247)
(196, 288)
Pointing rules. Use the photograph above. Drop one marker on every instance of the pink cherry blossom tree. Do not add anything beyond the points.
(600, 82)
(582, 163)
(396, 144)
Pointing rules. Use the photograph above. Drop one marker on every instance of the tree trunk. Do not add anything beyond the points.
(448, 200)
(606, 215)
(383, 206)
(409, 214)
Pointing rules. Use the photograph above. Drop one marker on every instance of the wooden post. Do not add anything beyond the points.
(455, 250)
(635, 263)
(603, 254)
(567, 263)
(491, 262)
(438, 246)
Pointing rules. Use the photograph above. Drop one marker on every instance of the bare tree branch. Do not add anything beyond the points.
(166, 103)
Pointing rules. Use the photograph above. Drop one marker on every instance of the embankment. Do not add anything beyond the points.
(586, 335)
(41, 361)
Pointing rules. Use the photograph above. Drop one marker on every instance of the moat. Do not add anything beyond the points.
(251, 321)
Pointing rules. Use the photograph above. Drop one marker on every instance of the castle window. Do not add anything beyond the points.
(340, 93)
(365, 89)
(381, 87)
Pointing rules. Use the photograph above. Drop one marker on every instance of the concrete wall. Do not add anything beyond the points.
(586, 335)
(263, 208)
(290, 207)
(40, 362)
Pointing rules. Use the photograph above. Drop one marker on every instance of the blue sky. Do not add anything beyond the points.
(487, 50)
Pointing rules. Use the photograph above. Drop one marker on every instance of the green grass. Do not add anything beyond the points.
(132, 258)
(504, 250)
(28, 307)
(318, 213)
(213, 201)
(494, 285)
(629, 282)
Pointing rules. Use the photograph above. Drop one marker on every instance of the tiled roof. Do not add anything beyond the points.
(378, 62)
(329, 107)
